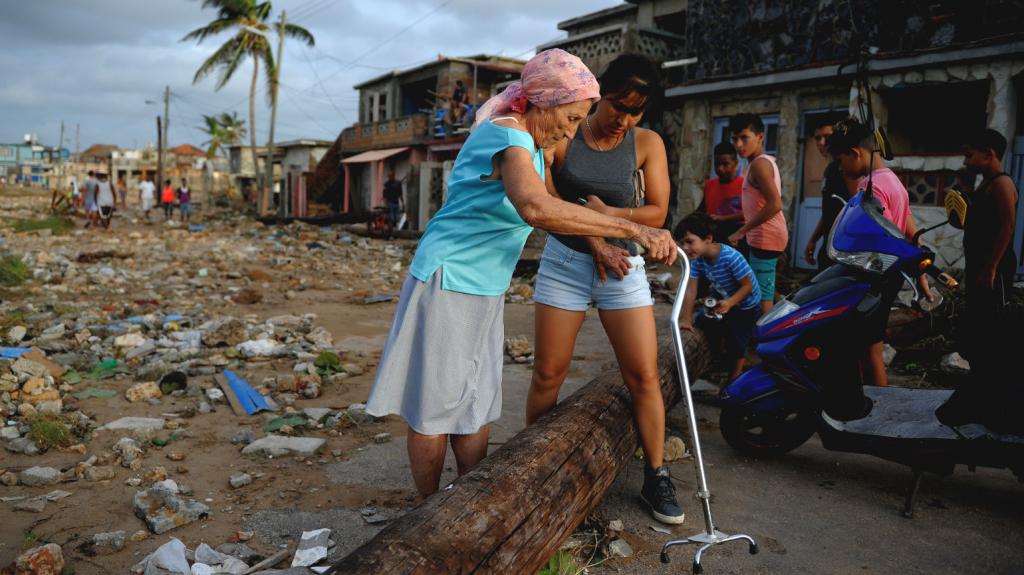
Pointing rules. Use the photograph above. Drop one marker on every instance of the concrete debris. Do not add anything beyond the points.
(312, 548)
(162, 509)
(276, 445)
(107, 543)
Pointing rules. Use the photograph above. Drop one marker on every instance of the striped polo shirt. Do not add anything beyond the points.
(725, 275)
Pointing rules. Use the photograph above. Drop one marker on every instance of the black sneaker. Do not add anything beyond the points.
(659, 494)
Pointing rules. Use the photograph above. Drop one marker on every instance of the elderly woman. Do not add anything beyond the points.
(441, 366)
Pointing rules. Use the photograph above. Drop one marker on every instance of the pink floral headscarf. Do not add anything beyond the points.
(551, 78)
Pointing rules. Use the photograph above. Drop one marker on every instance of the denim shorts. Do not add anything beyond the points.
(568, 280)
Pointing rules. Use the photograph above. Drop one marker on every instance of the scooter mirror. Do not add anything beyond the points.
(956, 209)
(884, 147)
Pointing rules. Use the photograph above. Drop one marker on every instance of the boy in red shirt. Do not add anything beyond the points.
(851, 144)
(722, 194)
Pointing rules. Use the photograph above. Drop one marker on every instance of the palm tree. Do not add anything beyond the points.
(248, 19)
(223, 130)
(211, 127)
(232, 128)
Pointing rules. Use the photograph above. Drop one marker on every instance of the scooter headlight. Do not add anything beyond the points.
(873, 262)
(783, 308)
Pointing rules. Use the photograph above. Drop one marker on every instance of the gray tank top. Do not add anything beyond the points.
(607, 175)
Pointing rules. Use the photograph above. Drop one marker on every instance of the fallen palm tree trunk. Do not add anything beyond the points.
(511, 513)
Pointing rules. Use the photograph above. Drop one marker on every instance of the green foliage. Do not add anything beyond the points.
(562, 563)
(327, 363)
(58, 225)
(48, 430)
(13, 271)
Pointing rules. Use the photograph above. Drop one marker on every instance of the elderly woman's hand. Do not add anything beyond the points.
(595, 203)
(658, 243)
(608, 257)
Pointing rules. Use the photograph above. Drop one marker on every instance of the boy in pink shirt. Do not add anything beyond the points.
(851, 143)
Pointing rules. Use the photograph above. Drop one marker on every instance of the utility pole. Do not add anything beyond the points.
(76, 140)
(269, 179)
(60, 157)
(159, 159)
(161, 143)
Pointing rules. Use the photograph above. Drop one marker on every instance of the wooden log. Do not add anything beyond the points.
(512, 512)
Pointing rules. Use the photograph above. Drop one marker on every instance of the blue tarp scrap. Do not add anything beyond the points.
(13, 352)
(250, 399)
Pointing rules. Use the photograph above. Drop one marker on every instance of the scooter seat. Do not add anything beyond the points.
(908, 413)
(901, 413)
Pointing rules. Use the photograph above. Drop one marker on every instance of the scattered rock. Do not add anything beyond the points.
(136, 424)
(953, 363)
(240, 480)
(619, 548)
(32, 504)
(129, 450)
(143, 391)
(35, 476)
(43, 560)
(675, 449)
(107, 543)
(615, 525)
(245, 436)
(518, 347)
(382, 438)
(888, 354)
(277, 445)
(100, 473)
(16, 334)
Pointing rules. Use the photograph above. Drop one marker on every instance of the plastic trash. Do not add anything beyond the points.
(170, 556)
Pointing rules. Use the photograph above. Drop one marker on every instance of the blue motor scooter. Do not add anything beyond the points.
(810, 382)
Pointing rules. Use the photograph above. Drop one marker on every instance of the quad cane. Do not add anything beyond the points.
(711, 536)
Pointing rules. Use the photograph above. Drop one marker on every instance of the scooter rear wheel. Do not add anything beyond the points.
(766, 434)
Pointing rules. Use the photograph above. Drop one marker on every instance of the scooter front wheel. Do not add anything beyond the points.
(767, 433)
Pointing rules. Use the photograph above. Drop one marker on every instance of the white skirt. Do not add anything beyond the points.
(441, 366)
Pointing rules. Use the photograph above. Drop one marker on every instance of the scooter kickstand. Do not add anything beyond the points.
(911, 501)
(711, 536)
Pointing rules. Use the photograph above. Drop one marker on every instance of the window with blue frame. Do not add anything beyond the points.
(721, 134)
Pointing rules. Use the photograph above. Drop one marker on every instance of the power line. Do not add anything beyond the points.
(350, 64)
(322, 88)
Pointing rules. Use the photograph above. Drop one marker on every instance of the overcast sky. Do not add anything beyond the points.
(95, 63)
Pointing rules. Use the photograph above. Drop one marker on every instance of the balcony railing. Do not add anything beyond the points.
(395, 132)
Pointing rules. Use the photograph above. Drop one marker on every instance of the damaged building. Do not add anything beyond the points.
(406, 123)
(937, 71)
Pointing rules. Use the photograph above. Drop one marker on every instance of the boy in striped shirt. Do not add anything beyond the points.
(733, 285)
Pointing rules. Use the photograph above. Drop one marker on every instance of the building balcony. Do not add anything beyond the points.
(396, 132)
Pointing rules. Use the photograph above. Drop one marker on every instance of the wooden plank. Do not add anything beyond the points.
(510, 514)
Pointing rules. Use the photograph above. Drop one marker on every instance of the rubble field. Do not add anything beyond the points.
(165, 390)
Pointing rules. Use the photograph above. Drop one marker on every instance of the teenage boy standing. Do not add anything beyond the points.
(990, 265)
(852, 145)
(722, 194)
(764, 226)
(834, 194)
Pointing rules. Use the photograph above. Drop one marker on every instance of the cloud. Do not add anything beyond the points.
(96, 64)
